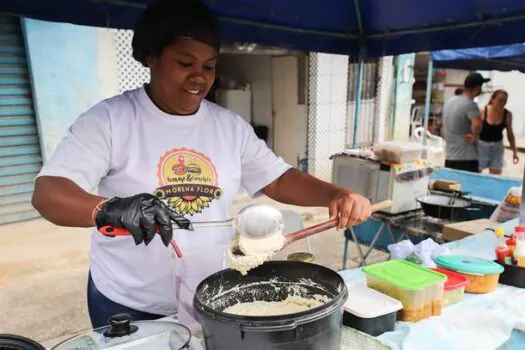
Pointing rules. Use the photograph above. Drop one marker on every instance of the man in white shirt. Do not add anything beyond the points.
(162, 153)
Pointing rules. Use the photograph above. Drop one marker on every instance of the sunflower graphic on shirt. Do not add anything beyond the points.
(188, 181)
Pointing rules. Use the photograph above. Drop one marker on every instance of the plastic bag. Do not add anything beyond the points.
(401, 250)
(422, 253)
(427, 250)
(509, 208)
(191, 270)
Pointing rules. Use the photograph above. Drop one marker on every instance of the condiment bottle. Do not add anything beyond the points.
(519, 251)
(511, 243)
(520, 232)
(503, 254)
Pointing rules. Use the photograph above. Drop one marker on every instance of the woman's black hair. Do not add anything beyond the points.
(165, 20)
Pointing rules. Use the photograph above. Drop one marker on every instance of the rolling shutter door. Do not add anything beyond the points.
(20, 157)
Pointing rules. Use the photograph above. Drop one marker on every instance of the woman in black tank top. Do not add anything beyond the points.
(496, 118)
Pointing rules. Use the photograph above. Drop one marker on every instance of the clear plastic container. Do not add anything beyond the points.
(398, 151)
(419, 289)
(454, 288)
(413, 301)
(483, 275)
(435, 297)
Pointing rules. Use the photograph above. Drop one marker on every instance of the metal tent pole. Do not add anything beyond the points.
(359, 69)
(428, 98)
(358, 89)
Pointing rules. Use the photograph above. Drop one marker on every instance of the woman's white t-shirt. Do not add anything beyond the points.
(125, 145)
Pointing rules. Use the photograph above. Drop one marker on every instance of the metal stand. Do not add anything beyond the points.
(414, 224)
(363, 257)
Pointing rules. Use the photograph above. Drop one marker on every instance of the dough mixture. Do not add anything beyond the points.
(291, 305)
(256, 250)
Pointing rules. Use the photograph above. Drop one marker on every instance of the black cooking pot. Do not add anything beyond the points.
(444, 207)
(316, 328)
(16, 342)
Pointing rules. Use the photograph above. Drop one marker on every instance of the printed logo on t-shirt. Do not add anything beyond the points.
(188, 181)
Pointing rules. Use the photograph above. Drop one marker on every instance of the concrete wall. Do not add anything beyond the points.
(72, 68)
(403, 98)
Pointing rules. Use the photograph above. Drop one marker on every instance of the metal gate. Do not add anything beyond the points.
(366, 123)
(20, 157)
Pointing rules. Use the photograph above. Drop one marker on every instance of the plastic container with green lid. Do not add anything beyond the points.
(419, 289)
(483, 275)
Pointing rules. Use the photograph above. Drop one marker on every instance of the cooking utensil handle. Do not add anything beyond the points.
(115, 231)
(312, 230)
(382, 205)
(224, 223)
(111, 231)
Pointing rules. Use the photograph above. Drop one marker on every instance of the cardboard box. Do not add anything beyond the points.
(458, 230)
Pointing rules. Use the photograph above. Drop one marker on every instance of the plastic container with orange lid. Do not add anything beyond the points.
(454, 286)
(482, 274)
(419, 289)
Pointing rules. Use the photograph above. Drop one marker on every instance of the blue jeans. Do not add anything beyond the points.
(101, 308)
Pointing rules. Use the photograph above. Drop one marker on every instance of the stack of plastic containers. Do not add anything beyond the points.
(483, 275)
(419, 289)
(454, 286)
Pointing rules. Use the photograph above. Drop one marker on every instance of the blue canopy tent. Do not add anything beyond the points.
(501, 57)
(363, 28)
(377, 27)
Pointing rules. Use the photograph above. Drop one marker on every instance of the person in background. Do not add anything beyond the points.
(462, 122)
(496, 118)
(458, 92)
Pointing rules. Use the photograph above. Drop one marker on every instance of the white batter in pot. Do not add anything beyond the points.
(291, 305)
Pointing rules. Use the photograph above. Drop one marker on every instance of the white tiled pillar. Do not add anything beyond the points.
(384, 97)
(327, 111)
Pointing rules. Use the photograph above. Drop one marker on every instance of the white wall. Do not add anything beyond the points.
(403, 97)
(290, 118)
(275, 98)
(454, 77)
(255, 70)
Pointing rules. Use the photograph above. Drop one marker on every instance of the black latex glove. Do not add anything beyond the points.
(141, 215)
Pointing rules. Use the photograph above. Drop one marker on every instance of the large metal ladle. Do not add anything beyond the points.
(260, 221)
(255, 221)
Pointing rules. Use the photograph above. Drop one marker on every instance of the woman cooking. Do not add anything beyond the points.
(490, 142)
(162, 153)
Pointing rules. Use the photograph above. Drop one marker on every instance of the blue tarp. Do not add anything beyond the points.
(381, 27)
(502, 58)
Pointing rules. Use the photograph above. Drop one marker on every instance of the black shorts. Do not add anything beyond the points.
(465, 165)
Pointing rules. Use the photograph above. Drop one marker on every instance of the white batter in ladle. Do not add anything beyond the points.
(260, 235)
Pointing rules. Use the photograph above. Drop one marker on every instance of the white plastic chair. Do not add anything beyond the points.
(416, 117)
(435, 149)
(293, 221)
